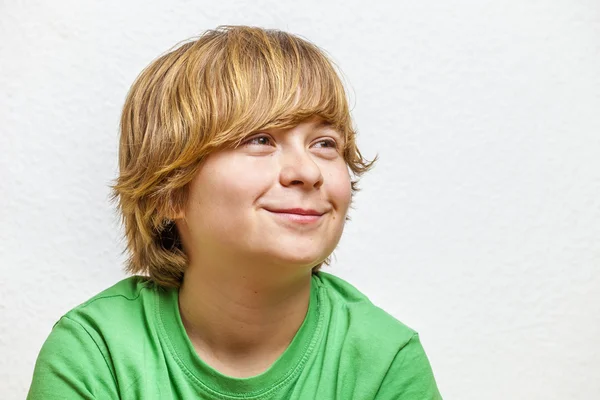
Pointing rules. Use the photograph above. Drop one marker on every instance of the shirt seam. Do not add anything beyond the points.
(414, 335)
(104, 357)
(91, 301)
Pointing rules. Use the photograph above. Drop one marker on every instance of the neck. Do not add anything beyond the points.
(234, 314)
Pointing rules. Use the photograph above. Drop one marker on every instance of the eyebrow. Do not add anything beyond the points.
(326, 125)
(323, 124)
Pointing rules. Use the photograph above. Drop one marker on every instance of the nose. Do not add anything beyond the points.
(299, 168)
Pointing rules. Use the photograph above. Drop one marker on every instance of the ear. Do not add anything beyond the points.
(170, 210)
(177, 215)
(174, 213)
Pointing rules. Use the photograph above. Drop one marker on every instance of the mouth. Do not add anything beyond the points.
(298, 215)
(297, 211)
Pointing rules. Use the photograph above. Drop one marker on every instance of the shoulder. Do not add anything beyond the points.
(128, 289)
(77, 356)
(361, 333)
(367, 320)
(125, 307)
(121, 298)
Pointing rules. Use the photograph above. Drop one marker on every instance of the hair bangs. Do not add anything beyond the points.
(273, 81)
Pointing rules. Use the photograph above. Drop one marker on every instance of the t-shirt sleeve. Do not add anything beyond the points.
(410, 375)
(71, 366)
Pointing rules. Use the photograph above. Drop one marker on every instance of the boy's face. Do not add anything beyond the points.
(236, 201)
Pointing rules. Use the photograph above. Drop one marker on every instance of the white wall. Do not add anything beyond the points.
(480, 226)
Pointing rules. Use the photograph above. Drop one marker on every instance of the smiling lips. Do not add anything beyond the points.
(299, 211)
(298, 215)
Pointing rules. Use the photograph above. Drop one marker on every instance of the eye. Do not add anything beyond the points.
(262, 140)
(327, 143)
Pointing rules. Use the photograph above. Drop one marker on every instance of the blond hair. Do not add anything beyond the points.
(206, 95)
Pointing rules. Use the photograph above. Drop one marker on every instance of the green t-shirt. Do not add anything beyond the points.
(128, 342)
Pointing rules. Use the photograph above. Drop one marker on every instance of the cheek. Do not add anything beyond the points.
(339, 187)
(227, 186)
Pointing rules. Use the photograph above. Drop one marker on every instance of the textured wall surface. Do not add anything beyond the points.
(479, 227)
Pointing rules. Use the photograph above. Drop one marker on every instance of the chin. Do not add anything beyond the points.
(294, 250)
(299, 257)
